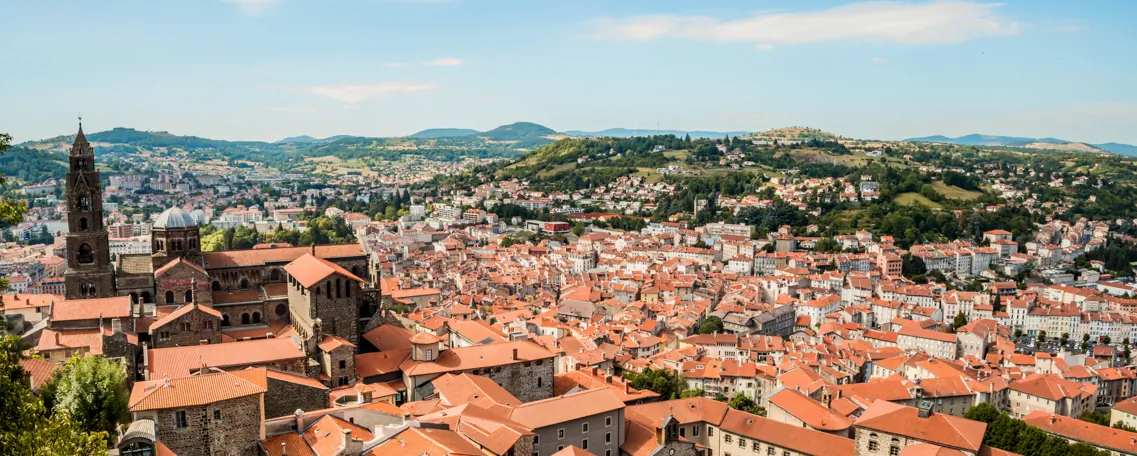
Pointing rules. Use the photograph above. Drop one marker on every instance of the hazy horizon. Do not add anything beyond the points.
(270, 69)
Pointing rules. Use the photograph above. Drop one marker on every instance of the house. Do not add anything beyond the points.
(1052, 394)
(213, 412)
(888, 428)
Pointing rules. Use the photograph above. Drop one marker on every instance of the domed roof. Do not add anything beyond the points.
(175, 217)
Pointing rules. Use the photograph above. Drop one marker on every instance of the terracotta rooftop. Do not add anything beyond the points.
(91, 309)
(259, 257)
(479, 356)
(175, 362)
(940, 429)
(310, 270)
(1119, 441)
(200, 389)
(547, 412)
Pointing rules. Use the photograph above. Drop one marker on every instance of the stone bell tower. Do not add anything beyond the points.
(89, 272)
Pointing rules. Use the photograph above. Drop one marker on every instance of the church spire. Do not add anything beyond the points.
(81, 146)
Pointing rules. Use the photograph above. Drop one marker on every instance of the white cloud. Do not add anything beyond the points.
(908, 23)
(357, 93)
(253, 7)
(445, 61)
(879, 60)
(765, 47)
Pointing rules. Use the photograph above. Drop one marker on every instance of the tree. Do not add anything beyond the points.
(1085, 342)
(92, 389)
(1106, 340)
(662, 381)
(997, 304)
(711, 325)
(746, 404)
(692, 393)
(578, 228)
(28, 429)
(11, 210)
(984, 412)
(1064, 338)
(959, 321)
(1018, 333)
(1041, 337)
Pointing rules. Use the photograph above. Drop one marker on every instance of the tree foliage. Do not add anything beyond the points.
(1006, 433)
(711, 325)
(92, 390)
(27, 427)
(662, 381)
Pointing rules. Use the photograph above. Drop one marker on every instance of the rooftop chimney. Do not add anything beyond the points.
(116, 326)
(299, 421)
(515, 354)
(283, 448)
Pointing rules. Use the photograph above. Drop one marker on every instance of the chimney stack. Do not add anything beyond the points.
(299, 414)
(515, 354)
(116, 326)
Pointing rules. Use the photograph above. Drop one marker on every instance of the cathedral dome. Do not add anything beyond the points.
(175, 217)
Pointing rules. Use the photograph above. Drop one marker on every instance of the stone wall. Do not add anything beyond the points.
(235, 434)
(202, 326)
(284, 398)
(338, 310)
(528, 383)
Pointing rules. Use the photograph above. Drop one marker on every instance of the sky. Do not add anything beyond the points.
(268, 69)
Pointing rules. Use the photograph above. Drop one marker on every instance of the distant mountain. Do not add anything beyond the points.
(1117, 148)
(518, 131)
(976, 140)
(632, 132)
(1030, 143)
(430, 133)
(305, 139)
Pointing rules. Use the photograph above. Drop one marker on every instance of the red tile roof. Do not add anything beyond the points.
(175, 362)
(940, 429)
(195, 390)
(259, 257)
(310, 270)
(91, 309)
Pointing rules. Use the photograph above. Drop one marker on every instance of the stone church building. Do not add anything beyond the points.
(191, 297)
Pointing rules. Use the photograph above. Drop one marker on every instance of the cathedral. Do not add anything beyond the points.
(313, 292)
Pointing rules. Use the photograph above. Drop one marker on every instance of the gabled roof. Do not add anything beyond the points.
(547, 412)
(91, 309)
(259, 257)
(940, 429)
(196, 390)
(809, 411)
(476, 389)
(177, 362)
(184, 310)
(310, 270)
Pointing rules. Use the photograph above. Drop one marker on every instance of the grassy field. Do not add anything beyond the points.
(857, 158)
(953, 192)
(912, 199)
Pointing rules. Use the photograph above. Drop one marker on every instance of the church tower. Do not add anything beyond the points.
(89, 273)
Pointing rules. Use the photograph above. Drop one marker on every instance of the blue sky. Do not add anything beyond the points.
(266, 69)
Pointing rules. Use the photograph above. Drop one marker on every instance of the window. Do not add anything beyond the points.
(756, 447)
(608, 422)
(209, 325)
(560, 447)
(536, 440)
(560, 434)
(244, 319)
(695, 430)
(682, 432)
(189, 295)
(83, 223)
(256, 317)
(164, 335)
(244, 283)
(873, 446)
(169, 297)
(742, 443)
(180, 421)
(785, 453)
(584, 444)
(607, 437)
(328, 290)
(727, 438)
(281, 310)
(85, 255)
(607, 452)
(429, 354)
(539, 381)
(216, 414)
(894, 451)
(216, 286)
(583, 428)
(771, 451)
(343, 364)
(710, 431)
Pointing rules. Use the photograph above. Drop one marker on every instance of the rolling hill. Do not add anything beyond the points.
(796, 134)
(430, 133)
(630, 132)
(1030, 143)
